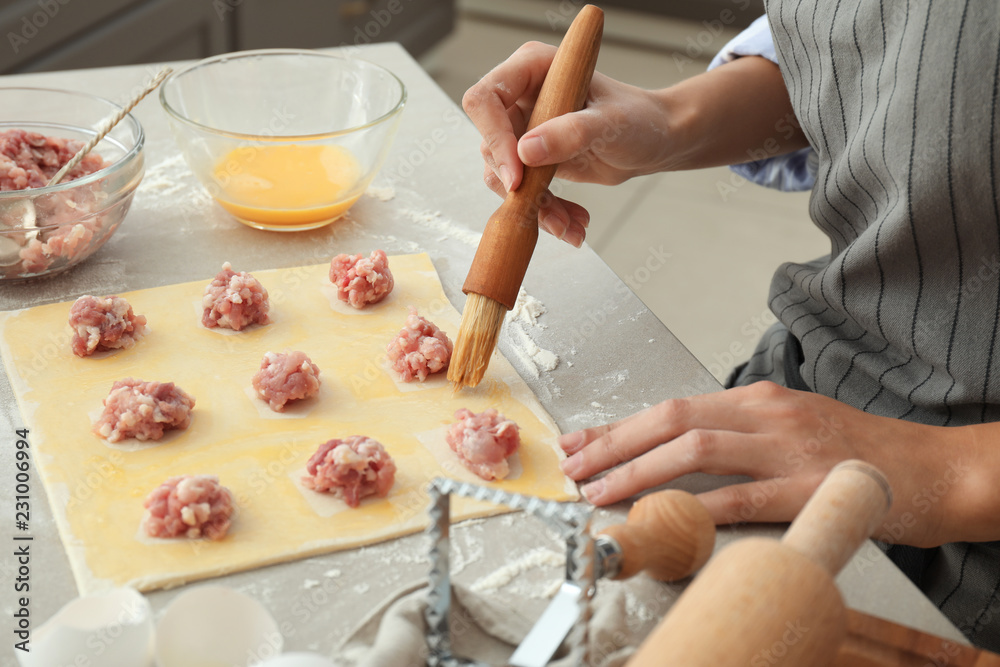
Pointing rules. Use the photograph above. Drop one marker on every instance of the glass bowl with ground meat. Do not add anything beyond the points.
(47, 229)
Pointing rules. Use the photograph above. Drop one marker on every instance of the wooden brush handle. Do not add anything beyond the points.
(510, 235)
(843, 512)
(669, 534)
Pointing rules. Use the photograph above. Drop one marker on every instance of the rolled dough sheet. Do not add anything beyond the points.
(97, 490)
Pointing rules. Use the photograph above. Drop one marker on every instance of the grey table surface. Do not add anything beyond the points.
(615, 359)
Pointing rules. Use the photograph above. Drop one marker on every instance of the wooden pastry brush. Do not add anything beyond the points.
(509, 238)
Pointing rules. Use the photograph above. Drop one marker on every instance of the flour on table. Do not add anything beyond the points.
(523, 316)
(639, 609)
(166, 179)
(527, 310)
(536, 558)
(385, 193)
(473, 551)
(432, 221)
(390, 241)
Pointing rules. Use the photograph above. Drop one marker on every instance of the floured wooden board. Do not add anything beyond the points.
(96, 489)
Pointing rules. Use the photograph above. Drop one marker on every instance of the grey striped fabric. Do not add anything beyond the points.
(899, 98)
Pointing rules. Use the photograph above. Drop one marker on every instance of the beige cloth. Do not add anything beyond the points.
(487, 629)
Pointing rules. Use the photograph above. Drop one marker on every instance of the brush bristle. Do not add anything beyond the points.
(482, 319)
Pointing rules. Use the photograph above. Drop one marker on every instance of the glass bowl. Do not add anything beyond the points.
(45, 230)
(284, 139)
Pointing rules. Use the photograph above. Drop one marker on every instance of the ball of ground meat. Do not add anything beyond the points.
(104, 324)
(419, 349)
(483, 442)
(286, 377)
(351, 469)
(361, 281)
(143, 410)
(234, 300)
(189, 506)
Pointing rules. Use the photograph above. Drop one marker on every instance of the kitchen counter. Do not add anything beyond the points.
(615, 358)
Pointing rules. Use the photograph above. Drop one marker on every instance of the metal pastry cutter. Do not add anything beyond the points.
(566, 616)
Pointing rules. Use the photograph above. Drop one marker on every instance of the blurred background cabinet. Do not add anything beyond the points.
(39, 35)
(743, 11)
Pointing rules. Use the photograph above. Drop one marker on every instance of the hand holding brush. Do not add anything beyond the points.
(510, 235)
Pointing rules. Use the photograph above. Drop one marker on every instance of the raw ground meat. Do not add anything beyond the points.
(143, 410)
(484, 441)
(351, 469)
(419, 349)
(286, 377)
(361, 281)
(234, 300)
(104, 324)
(189, 506)
(28, 160)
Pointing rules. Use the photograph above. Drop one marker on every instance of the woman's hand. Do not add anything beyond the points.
(618, 134)
(943, 479)
(735, 113)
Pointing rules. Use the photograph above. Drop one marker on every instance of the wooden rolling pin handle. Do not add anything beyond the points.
(510, 236)
(843, 512)
(669, 534)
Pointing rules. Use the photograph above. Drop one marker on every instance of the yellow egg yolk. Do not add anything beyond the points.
(288, 184)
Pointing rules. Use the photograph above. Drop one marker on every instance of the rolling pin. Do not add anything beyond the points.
(670, 535)
(762, 602)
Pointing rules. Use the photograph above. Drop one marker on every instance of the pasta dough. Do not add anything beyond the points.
(96, 490)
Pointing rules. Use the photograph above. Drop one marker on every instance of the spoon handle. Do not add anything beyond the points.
(108, 124)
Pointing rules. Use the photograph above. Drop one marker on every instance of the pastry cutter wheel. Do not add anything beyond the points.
(669, 534)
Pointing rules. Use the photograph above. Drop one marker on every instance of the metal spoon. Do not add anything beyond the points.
(10, 248)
